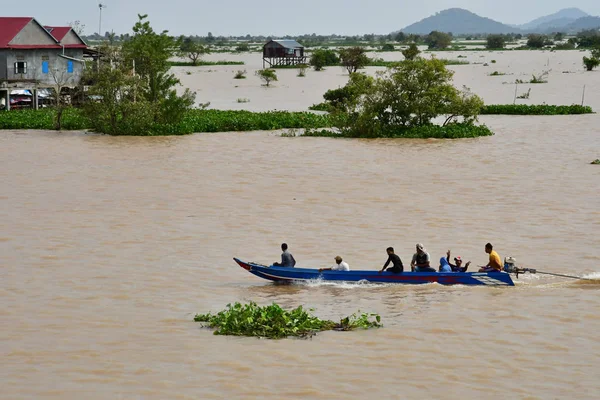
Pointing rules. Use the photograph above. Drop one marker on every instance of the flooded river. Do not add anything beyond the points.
(110, 245)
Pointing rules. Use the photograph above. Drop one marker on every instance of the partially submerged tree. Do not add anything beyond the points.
(536, 41)
(192, 50)
(322, 58)
(412, 52)
(590, 63)
(354, 58)
(61, 79)
(411, 93)
(267, 75)
(496, 42)
(133, 92)
(438, 40)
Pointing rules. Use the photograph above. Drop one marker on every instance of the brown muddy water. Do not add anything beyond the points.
(110, 245)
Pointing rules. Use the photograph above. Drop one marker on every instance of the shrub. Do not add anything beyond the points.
(388, 47)
(302, 70)
(450, 131)
(267, 75)
(590, 63)
(411, 52)
(240, 74)
(544, 109)
(242, 47)
(539, 78)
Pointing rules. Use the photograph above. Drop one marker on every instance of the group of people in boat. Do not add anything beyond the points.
(421, 261)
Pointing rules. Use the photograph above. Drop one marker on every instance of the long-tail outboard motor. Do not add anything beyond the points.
(509, 265)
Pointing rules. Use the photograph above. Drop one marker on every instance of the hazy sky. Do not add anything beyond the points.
(269, 17)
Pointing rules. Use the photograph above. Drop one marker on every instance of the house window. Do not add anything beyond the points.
(70, 67)
(21, 67)
(45, 67)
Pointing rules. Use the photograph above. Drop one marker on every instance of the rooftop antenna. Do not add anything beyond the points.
(100, 6)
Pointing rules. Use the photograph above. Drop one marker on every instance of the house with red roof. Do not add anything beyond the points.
(34, 56)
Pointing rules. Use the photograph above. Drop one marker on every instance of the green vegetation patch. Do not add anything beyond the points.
(596, 161)
(72, 119)
(542, 109)
(273, 322)
(449, 131)
(203, 63)
(192, 121)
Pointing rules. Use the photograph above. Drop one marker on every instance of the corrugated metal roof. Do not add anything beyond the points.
(290, 44)
(10, 27)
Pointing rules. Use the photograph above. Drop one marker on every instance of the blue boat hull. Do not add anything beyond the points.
(282, 274)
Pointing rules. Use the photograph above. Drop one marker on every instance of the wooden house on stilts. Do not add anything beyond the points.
(283, 52)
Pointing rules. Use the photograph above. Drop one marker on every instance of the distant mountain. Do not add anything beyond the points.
(583, 24)
(561, 18)
(458, 21)
(556, 25)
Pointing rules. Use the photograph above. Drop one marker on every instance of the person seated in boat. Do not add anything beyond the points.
(457, 267)
(420, 261)
(393, 258)
(287, 259)
(340, 265)
(444, 265)
(495, 263)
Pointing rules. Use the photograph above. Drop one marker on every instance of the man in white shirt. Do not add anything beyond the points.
(340, 265)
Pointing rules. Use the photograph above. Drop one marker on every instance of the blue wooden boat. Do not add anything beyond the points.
(283, 274)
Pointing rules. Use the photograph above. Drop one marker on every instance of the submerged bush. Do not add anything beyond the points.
(192, 121)
(543, 109)
(449, 131)
(274, 322)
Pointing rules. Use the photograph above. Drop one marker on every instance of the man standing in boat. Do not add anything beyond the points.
(395, 260)
(495, 263)
(421, 260)
(287, 259)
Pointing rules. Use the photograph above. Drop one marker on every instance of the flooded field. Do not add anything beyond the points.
(110, 245)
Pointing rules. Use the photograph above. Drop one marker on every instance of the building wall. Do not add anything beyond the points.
(35, 60)
(32, 33)
(3, 65)
(71, 38)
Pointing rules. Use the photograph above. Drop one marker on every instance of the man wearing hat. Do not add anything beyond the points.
(340, 265)
(458, 266)
(421, 261)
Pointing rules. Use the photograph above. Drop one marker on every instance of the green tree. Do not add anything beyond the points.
(496, 42)
(354, 58)
(135, 92)
(267, 75)
(412, 93)
(321, 58)
(192, 50)
(438, 40)
(400, 37)
(345, 99)
(536, 41)
(558, 36)
(412, 52)
(388, 47)
(588, 39)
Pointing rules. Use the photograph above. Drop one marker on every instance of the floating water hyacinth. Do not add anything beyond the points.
(273, 322)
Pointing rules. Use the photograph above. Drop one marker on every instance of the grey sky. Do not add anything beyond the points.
(270, 17)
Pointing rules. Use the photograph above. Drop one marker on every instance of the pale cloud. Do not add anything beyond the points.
(270, 17)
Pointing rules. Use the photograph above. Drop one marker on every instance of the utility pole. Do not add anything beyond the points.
(100, 6)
